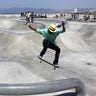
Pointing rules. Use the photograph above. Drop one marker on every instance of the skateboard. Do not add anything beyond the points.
(41, 59)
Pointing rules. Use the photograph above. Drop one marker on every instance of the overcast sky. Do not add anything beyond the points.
(53, 4)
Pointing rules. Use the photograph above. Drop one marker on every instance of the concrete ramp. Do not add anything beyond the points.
(79, 36)
(6, 23)
(20, 46)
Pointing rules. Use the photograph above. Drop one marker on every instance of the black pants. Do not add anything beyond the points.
(47, 44)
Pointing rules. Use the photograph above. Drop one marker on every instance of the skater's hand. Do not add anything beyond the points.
(29, 26)
(63, 23)
(32, 28)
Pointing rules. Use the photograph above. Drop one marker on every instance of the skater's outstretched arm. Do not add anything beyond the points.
(32, 28)
(37, 30)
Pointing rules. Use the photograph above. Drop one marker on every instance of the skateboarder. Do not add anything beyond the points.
(50, 33)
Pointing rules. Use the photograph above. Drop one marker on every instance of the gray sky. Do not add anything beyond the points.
(54, 4)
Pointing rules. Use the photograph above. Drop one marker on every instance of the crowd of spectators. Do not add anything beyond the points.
(67, 16)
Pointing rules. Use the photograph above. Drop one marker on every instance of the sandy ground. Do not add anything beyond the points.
(20, 46)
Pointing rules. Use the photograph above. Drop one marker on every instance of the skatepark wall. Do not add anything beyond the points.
(11, 40)
(6, 23)
(79, 36)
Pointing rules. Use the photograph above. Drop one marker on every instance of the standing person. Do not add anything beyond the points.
(28, 18)
(32, 17)
(50, 35)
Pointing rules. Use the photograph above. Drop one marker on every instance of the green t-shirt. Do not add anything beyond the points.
(48, 36)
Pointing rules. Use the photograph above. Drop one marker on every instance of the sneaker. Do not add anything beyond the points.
(56, 65)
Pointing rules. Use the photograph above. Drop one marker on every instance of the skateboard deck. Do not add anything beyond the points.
(41, 59)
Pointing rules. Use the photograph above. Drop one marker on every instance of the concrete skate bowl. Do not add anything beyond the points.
(20, 46)
(17, 45)
(6, 23)
(80, 36)
(13, 26)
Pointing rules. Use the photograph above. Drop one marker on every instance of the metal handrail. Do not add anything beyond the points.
(43, 87)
